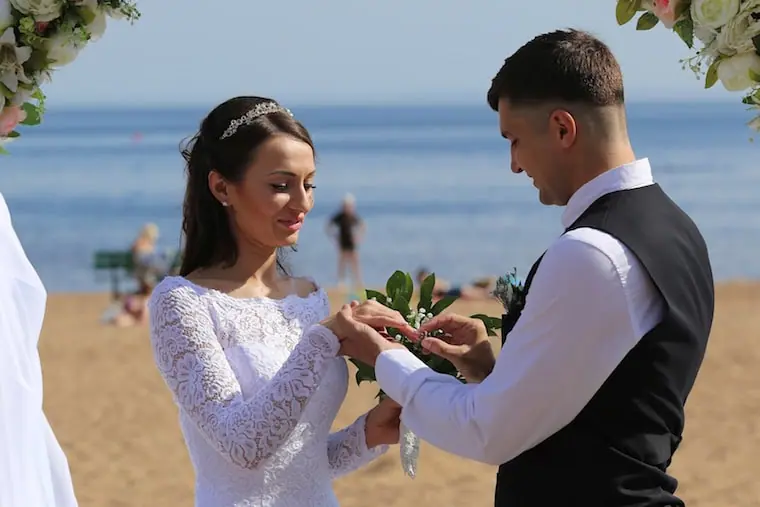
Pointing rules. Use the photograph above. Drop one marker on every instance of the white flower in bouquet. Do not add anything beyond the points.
(739, 72)
(713, 13)
(6, 15)
(94, 16)
(40, 10)
(64, 47)
(736, 36)
(705, 35)
(12, 59)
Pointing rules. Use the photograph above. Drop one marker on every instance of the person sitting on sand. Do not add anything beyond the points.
(481, 288)
(150, 265)
(133, 310)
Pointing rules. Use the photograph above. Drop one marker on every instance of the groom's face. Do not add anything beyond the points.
(534, 149)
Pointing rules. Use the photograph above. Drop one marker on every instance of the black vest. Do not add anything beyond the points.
(616, 452)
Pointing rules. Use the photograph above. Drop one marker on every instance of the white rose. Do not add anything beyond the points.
(6, 15)
(95, 17)
(40, 10)
(713, 13)
(738, 72)
(63, 49)
(705, 35)
(736, 36)
(98, 25)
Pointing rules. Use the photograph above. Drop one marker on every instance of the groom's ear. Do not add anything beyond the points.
(562, 127)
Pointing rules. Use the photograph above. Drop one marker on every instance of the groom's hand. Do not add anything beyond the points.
(465, 343)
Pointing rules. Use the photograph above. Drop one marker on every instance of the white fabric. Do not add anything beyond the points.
(34, 471)
(258, 383)
(589, 304)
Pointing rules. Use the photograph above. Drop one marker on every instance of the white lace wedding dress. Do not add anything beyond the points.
(258, 383)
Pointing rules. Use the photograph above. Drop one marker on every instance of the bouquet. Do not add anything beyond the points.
(727, 33)
(399, 291)
(37, 37)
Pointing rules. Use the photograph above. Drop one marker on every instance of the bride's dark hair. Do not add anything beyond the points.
(208, 239)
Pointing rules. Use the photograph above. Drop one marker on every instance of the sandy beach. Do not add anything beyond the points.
(118, 425)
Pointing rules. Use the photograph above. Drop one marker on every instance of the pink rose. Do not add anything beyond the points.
(667, 11)
(10, 117)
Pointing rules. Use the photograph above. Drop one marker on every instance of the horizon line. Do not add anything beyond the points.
(82, 106)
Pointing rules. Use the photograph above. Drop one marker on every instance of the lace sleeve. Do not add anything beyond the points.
(347, 449)
(193, 365)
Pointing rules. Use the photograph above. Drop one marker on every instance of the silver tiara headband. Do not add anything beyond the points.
(259, 109)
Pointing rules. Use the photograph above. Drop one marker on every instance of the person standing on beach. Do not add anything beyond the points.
(34, 470)
(347, 229)
(584, 406)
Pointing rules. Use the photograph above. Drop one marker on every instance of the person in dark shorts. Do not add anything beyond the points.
(347, 229)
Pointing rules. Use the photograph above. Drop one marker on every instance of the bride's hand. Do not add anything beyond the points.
(382, 424)
(351, 319)
(380, 317)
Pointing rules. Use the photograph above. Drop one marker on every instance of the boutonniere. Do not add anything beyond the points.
(510, 291)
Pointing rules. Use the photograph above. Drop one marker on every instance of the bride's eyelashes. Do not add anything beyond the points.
(283, 187)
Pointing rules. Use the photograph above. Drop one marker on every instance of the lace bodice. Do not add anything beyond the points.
(258, 383)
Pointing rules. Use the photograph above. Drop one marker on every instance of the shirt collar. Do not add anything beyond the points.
(626, 177)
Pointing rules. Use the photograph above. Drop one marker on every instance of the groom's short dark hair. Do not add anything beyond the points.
(565, 65)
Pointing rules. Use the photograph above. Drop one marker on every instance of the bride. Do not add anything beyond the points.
(250, 354)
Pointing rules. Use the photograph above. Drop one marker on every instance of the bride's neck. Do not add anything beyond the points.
(255, 264)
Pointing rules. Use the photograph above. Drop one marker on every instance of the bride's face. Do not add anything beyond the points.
(268, 206)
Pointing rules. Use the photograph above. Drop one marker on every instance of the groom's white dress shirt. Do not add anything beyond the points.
(589, 304)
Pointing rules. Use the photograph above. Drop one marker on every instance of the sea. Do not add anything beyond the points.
(432, 184)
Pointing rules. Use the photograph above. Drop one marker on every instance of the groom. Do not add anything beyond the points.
(585, 404)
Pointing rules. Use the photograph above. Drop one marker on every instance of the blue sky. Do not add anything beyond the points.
(183, 52)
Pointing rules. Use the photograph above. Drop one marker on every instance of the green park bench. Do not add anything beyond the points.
(119, 265)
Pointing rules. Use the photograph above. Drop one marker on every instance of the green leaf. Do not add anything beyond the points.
(364, 372)
(626, 10)
(6, 91)
(647, 21)
(3, 151)
(491, 323)
(685, 30)
(32, 114)
(396, 284)
(756, 42)
(683, 8)
(86, 14)
(379, 296)
(408, 287)
(13, 135)
(426, 292)
(712, 74)
(442, 304)
(401, 304)
(754, 76)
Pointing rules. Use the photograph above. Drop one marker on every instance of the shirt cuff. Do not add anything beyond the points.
(393, 368)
